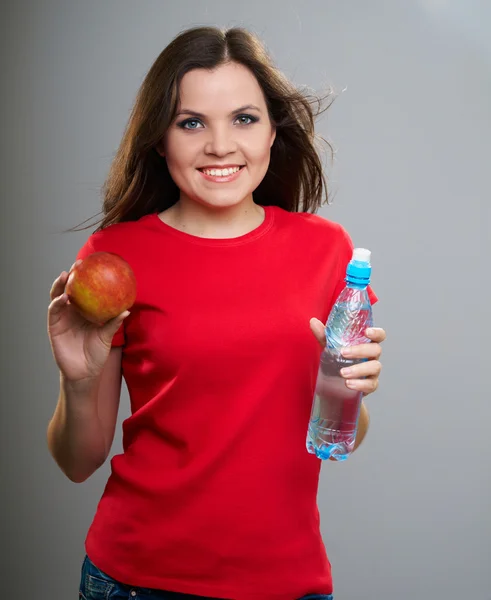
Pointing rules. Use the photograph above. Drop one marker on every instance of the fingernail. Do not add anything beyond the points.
(370, 331)
(346, 351)
(346, 372)
(350, 384)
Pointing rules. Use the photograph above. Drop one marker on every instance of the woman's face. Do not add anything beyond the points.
(218, 147)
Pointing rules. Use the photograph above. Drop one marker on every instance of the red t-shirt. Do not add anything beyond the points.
(215, 493)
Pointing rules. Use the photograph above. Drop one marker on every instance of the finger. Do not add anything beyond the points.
(367, 386)
(317, 328)
(57, 305)
(77, 262)
(370, 351)
(371, 368)
(58, 285)
(376, 334)
(108, 330)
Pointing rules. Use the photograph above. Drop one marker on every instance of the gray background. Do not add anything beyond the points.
(408, 516)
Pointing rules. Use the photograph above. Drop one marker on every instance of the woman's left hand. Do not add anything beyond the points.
(363, 376)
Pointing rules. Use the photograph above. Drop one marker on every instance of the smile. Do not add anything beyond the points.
(223, 175)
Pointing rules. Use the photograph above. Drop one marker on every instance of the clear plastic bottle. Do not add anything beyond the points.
(336, 408)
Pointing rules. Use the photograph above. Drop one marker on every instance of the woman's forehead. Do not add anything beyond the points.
(225, 88)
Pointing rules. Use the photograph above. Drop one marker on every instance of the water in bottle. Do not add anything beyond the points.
(335, 409)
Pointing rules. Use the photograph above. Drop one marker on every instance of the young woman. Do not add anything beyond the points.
(210, 199)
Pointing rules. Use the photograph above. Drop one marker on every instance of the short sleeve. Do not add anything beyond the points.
(346, 247)
(88, 248)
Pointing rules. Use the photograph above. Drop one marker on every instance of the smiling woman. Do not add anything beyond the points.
(209, 200)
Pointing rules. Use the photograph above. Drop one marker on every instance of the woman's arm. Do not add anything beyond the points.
(81, 431)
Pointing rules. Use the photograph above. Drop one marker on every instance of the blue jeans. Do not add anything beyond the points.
(96, 585)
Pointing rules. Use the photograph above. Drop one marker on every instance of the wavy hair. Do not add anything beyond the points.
(139, 183)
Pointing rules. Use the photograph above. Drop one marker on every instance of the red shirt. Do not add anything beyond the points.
(215, 493)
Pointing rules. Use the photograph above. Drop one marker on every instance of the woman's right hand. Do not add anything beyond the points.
(80, 348)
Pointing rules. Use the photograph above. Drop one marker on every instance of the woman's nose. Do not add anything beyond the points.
(220, 142)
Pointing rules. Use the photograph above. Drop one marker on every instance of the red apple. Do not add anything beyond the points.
(101, 287)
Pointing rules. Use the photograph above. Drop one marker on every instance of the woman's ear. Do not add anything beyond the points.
(273, 136)
(160, 149)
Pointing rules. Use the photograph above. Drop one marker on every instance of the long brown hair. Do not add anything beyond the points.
(139, 182)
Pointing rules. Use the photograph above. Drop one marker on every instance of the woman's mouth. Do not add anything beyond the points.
(221, 175)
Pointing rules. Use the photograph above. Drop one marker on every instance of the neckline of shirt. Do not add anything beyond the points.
(250, 236)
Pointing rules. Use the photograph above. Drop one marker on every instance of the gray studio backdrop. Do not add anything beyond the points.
(408, 516)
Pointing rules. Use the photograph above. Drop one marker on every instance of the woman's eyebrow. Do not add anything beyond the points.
(195, 113)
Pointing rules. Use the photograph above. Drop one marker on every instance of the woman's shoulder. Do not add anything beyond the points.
(122, 238)
(310, 224)
(124, 229)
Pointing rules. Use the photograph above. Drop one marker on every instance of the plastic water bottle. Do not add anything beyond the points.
(336, 408)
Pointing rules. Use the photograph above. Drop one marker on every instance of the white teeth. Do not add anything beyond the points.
(221, 172)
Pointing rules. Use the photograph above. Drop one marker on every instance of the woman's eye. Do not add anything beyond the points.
(191, 124)
(246, 119)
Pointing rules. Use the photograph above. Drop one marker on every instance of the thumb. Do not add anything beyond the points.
(318, 329)
(109, 329)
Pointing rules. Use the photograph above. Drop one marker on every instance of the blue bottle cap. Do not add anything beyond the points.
(359, 268)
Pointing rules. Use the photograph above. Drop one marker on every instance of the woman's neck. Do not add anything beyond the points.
(213, 222)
